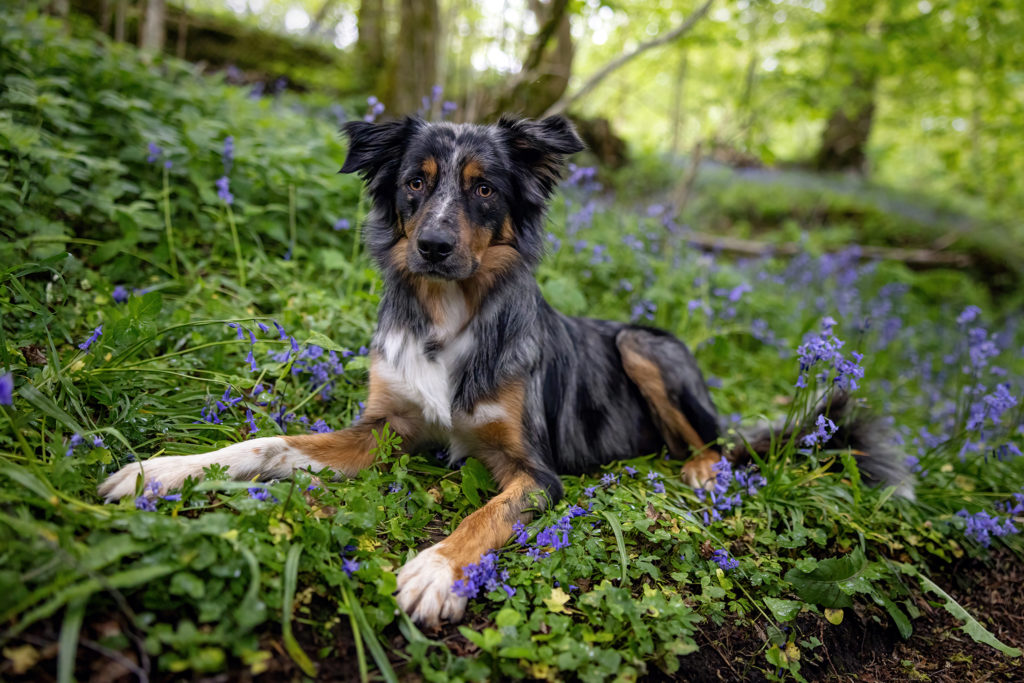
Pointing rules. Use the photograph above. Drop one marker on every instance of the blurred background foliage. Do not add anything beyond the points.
(922, 95)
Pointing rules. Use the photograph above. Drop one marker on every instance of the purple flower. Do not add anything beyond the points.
(609, 479)
(590, 491)
(228, 155)
(144, 503)
(448, 108)
(155, 152)
(349, 566)
(320, 427)
(75, 441)
(969, 315)
(6, 389)
(722, 558)
(251, 421)
(981, 526)
(261, 493)
(97, 442)
(223, 190)
(483, 575)
(396, 487)
(172, 497)
(631, 471)
(341, 224)
(119, 295)
(521, 532)
(89, 342)
(825, 428)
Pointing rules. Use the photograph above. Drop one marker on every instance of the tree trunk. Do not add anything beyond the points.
(853, 66)
(318, 18)
(414, 70)
(181, 46)
(546, 70)
(120, 13)
(370, 45)
(845, 138)
(153, 33)
(677, 102)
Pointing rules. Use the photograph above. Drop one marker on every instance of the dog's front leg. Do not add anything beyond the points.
(425, 582)
(275, 457)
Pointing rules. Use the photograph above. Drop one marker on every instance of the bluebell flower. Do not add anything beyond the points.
(320, 427)
(969, 315)
(349, 566)
(172, 497)
(484, 575)
(223, 190)
(92, 338)
(120, 294)
(609, 479)
(144, 503)
(97, 442)
(631, 471)
(6, 389)
(261, 493)
(722, 558)
(228, 155)
(396, 487)
(75, 441)
(981, 526)
(155, 152)
(448, 108)
(522, 534)
(341, 224)
(824, 429)
(590, 491)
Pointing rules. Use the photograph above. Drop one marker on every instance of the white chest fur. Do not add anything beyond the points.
(426, 380)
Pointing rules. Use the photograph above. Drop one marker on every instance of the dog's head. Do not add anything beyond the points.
(443, 194)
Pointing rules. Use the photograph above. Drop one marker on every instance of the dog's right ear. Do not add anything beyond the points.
(372, 146)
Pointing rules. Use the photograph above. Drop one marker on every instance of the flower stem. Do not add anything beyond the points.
(238, 246)
(291, 220)
(167, 225)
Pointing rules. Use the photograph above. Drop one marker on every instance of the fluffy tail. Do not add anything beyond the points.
(872, 441)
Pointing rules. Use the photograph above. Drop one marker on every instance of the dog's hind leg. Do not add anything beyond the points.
(274, 457)
(667, 376)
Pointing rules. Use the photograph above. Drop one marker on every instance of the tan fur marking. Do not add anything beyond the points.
(490, 526)
(502, 447)
(349, 450)
(471, 172)
(429, 168)
(647, 377)
(496, 261)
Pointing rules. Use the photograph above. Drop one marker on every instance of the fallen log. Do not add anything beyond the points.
(738, 245)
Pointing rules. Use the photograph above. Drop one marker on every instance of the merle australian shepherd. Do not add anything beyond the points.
(468, 354)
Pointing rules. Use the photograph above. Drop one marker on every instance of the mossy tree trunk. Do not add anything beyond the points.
(413, 69)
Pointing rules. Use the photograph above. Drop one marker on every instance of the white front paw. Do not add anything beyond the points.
(425, 589)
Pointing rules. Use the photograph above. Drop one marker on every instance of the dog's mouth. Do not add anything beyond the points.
(452, 269)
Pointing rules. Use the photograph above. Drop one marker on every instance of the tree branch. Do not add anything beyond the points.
(617, 63)
(543, 36)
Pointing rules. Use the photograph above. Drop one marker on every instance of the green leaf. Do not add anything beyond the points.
(57, 184)
(971, 625)
(475, 478)
(48, 407)
(783, 610)
(824, 584)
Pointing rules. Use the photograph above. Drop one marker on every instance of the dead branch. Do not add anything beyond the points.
(617, 63)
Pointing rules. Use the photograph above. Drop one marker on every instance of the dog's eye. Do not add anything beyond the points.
(416, 184)
(484, 190)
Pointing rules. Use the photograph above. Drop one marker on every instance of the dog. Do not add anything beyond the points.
(468, 353)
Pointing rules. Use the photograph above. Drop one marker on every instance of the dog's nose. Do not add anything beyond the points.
(435, 248)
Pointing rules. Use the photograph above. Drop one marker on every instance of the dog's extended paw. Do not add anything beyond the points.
(425, 589)
(698, 471)
(169, 472)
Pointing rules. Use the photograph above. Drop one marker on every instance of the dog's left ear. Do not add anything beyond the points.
(540, 148)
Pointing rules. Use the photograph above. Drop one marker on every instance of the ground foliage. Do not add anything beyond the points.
(150, 307)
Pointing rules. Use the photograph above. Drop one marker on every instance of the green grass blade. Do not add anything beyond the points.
(291, 575)
(370, 638)
(617, 530)
(68, 642)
